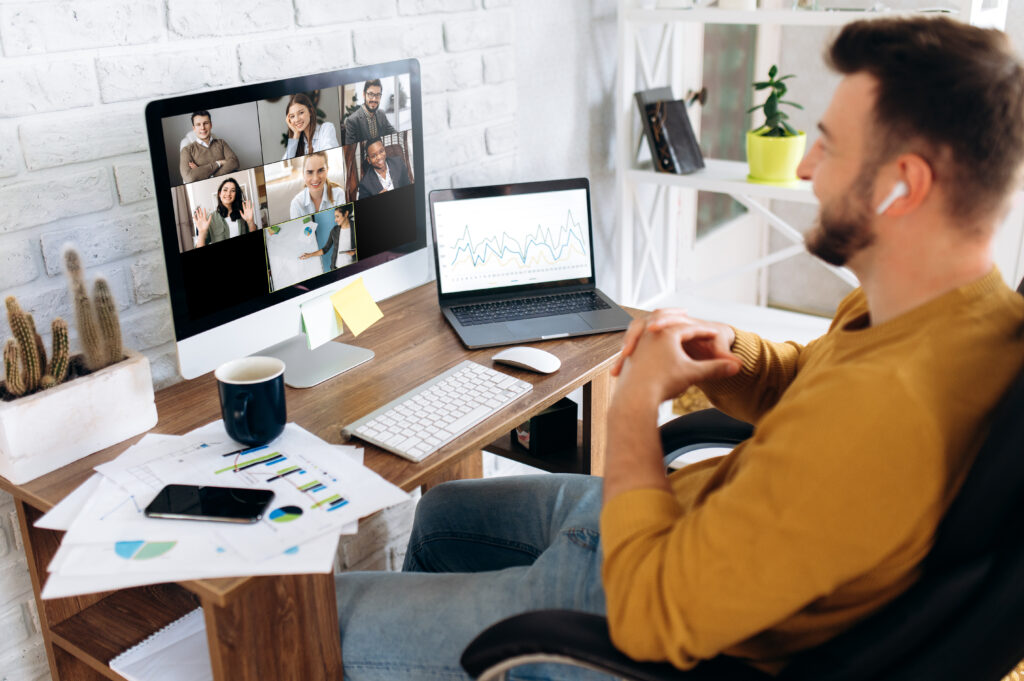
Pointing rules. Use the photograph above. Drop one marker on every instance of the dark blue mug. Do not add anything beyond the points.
(252, 399)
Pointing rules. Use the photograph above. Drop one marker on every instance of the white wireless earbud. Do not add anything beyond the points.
(898, 191)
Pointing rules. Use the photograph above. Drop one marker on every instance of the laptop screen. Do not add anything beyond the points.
(495, 242)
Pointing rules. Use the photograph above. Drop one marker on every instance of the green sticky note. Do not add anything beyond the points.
(319, 321)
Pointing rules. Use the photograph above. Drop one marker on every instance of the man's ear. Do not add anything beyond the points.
(917, 178)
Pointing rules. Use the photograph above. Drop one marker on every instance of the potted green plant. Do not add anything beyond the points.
(56, 410)
(774, 148)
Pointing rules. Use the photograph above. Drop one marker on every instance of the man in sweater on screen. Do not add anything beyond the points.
(862, 438)
(207, 156)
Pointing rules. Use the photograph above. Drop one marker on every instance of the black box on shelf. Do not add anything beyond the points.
(552, 431)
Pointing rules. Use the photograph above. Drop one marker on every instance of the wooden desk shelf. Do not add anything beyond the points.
(567, 462)
(121, 620)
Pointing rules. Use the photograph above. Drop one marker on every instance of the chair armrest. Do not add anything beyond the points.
(708, 427)
(581, 639)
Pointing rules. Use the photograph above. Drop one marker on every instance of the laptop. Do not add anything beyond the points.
(515, 263)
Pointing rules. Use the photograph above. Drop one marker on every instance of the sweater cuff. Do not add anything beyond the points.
(635, 512)
(747, 347)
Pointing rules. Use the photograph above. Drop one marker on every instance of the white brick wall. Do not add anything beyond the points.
(51, 196)
(43, 27)
(75, 77)
(9, 156)
(31, 86)
(58, 140)
(213, 18)
(275, 58)
(134, 181)
(168, 72)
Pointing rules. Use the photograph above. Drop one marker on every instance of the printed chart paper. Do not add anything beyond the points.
(320, 492)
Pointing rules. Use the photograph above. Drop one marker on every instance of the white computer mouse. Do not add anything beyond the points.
(541, 361)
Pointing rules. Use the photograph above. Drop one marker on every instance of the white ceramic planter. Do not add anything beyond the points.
(49, 429)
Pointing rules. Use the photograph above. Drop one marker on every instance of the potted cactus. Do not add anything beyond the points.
(57, 409)
(774, 148)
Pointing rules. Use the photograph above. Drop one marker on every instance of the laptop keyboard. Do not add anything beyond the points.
(528, 308)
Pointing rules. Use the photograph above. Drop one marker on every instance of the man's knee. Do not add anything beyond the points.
(441, 497)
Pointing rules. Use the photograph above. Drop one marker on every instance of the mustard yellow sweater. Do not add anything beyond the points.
(862, 438)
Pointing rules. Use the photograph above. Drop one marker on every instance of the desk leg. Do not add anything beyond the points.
(279, 628)
(40, 545)
(596, 399)
(469, 468)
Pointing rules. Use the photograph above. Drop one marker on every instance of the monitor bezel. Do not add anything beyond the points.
(157, 110)
(537, 187)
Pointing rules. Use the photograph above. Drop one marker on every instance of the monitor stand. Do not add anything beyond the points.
(304, 368)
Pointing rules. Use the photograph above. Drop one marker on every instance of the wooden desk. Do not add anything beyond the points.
(286, 627)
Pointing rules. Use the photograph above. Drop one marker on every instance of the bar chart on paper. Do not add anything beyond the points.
(512, 240)
(310, 492)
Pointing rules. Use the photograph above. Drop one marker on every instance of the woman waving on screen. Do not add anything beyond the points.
(232, 217)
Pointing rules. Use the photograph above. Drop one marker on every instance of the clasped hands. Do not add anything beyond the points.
(666, 352)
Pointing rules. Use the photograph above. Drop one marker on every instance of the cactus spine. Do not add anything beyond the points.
(12, 369)
(61, 354)
(85, 318)
(15, 374)
(24, 334)
(110, 325)
(40, 347)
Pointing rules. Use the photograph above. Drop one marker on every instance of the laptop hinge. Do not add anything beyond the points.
(477, 297)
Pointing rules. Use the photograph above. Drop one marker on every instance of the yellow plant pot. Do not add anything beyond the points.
(774, 159)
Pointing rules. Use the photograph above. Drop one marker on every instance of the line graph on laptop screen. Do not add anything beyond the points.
(512, 240)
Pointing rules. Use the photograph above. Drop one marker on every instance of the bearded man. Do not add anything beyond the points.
(862, 438)
(368, 121)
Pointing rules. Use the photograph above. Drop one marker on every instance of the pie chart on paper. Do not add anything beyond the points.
(142, 550)
(286, 514)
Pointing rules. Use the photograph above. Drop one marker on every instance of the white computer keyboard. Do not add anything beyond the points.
(436, 412)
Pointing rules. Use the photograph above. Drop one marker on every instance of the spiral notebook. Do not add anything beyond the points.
(178, 652)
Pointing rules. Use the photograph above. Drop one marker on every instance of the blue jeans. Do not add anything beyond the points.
(480, 551)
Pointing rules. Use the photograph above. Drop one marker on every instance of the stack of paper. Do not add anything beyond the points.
(321, 491)
(178, 652)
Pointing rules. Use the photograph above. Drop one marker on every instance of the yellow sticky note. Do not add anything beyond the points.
(320, 321)
(356, 307)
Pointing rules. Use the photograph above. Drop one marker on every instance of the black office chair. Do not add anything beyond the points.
(963, 619)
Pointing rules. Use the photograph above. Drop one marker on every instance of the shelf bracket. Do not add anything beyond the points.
(791, 233)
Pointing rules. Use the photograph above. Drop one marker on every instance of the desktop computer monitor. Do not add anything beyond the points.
(273, 194)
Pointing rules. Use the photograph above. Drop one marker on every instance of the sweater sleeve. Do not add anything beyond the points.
(189, 174)
(230, 164)
(805, 513)
(768, 369)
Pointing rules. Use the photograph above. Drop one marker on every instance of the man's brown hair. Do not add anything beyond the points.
(950, 92)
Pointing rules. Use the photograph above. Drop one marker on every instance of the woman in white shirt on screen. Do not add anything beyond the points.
(319, 193)
(300, 117)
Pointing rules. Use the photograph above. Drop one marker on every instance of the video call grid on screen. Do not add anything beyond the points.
(291, 193)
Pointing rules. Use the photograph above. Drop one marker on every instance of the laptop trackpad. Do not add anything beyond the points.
(537, 328)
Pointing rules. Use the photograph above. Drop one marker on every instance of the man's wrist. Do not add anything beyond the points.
(633, 405)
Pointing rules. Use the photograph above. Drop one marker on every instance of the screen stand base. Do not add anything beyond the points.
(305, 368)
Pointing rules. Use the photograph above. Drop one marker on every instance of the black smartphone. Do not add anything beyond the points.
(223, 504)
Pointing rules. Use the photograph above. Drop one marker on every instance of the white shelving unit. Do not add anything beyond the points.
(657, 211)
(994, 16)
